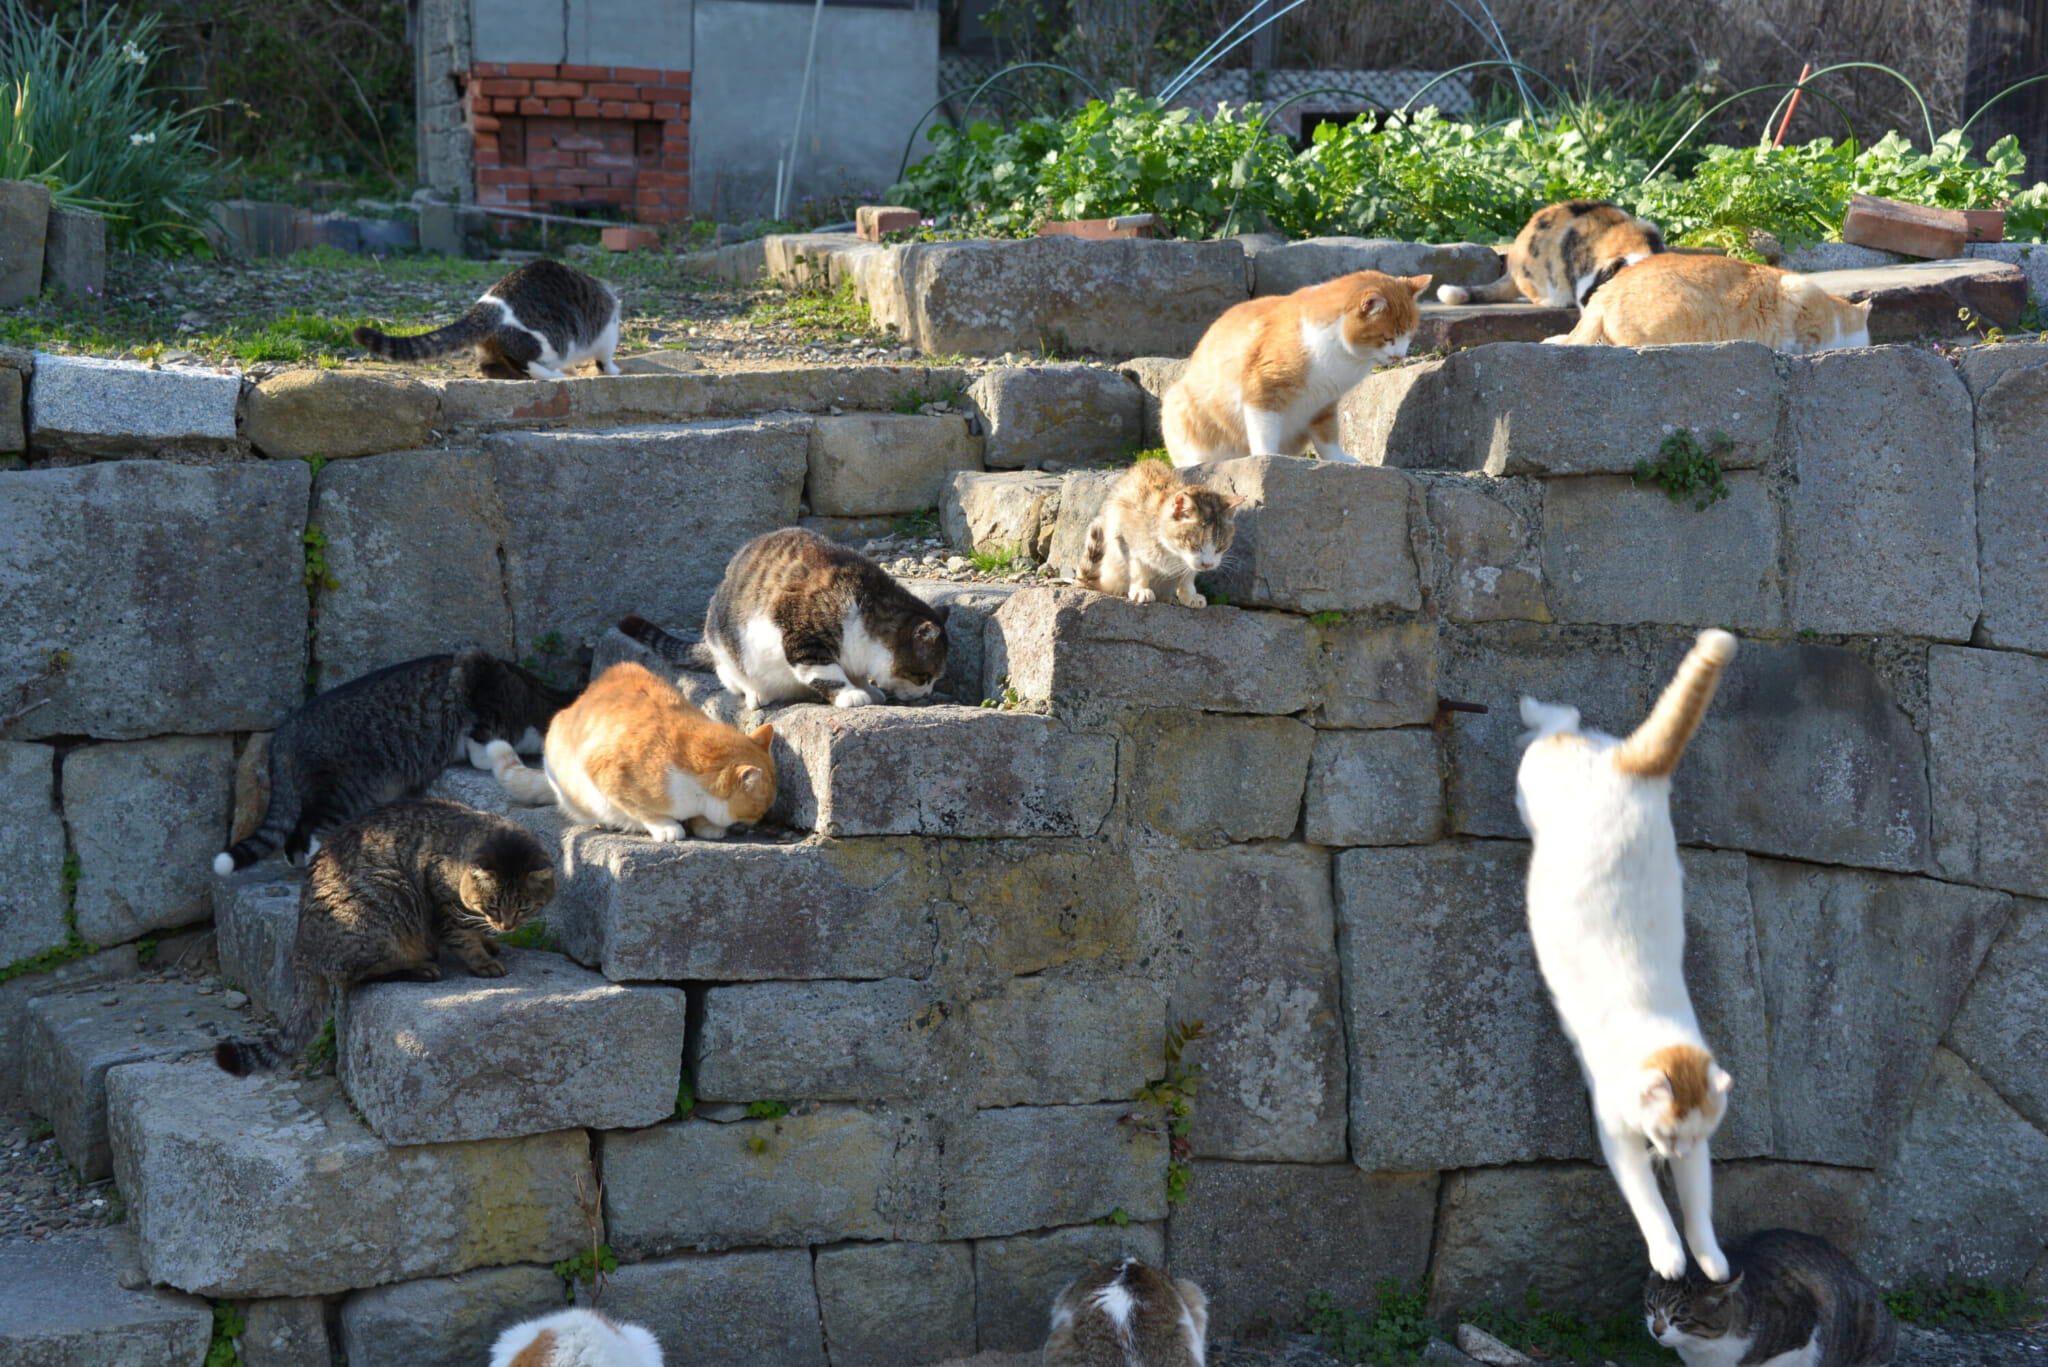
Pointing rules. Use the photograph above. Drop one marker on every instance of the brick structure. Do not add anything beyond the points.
(558, 137)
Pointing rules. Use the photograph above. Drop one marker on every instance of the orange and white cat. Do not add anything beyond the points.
(1155, 533)
(634, 754)
(1564, 253)
(1607, 915)
(575, 1338)
(1267, 375)
(1678, 297)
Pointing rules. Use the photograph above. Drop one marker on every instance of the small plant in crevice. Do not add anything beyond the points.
(918, 526)
(686, 1096)
(1397, 1332)
(535, 934)
(1325, 619)
(594, 1265)
(39, 1129)
(1173, 1093)
(548, 661)
(1964, 1304)
(1000, 560)
(1118, 1217)
(1980, 327)
(1686, 470)
(767, 1110)
(75, 946)
(228, 1326)
(321, 1053)
(1158, 453)
(1007, 698)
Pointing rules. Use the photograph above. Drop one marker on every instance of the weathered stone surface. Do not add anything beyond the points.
(862, 464)
(1258, 1237)
(1989, 767)
(1375, 788)
(1849, 1047)
(888, 1304)
(549, 1046)
(288, 1332)
(574, 566)
(1883, 522)
(75, 252)
(16, 993)
(714, 1309)
(252, 785)
(822, 1175)
(24, 231)
(1219, 780)
(1071, 414)
(1154, 375)
(2012, 520)
(1726, 983)
(91, 406)
(1030, 905)
(818, 1041)
(1493, 573)
(1028, 1167)
(337, 413)
(604, 401)
(179, 591)
(444, 1321)
(1559, 1231)
(1916, 299)
(1317, 536)
(1966, 1193)
(147, 817)
(1016, 1279)
(255, 920)
(13, 435)
(937, 770)
(1456, 327)
(31, 850)
(2002, 1029)
(1615, 551)
(1831, 1202)
(1110, 298)
(61, 1305)
(253, 1187)
(968, 608)
(1374, 675)
(1310, 262)
(1001, 509)
(1081, 496)
(1046, 1041)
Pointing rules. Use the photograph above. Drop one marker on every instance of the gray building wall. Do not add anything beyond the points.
(642, 33)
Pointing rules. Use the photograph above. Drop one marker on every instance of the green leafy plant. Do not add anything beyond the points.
(1118, 1217)
(1157, 453)
(1686, 470)
(767, 1110)
(39, 1129)
(318, 576)
(686, 1096)
(999, 560)
(75, 946)
(920, 526)
(1980, 327)
(1565, 1337)
(535, 934)
(321, 1053)
(1964, 1304)
(228, 1326)
(586, 1268)
(1007, 698)
(549, 659)
(1397, 1331)
(1326, 619)
(1173, 1092)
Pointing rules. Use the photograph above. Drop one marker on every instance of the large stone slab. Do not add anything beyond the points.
(549, 1046)
(252, 1187)
(17, 992)
(715, 1309)
(888, 1304)
(255, 921)
(602, 401)
(24, 230)
(1311, 261)
(821, 1041)
(865, 464)
(13, 436)
(1066, 414)
(1016, 1279)
(1374, 788)
(1082, 493)
(1028, 1167)
(2012, 514)
(1759, 1194)
(1261, 973)
(1154, 375)
(75, 253)
(444, 1321)
(179, 591)
(1989, 767)
(1615, 551)
(1883, 521)
(1210, 780)
(1916, 299)
(1259, 1237)
(31, 850)
(1051, 1041)
(1492, 570)
(1028, 905)
(1556, 1231)
(1455, 327)
(1850, 1047)
(2002, 1029)
(337, 413)
(87, 405)
(62, 1305)
(285, 1332)
(1376, 674)
(1001, 509)
(147, 818)
(1318, 536)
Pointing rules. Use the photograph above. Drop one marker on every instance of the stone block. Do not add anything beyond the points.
(444, 1321)
(888, 1304)
(1918, 299)
(1558, 1231)
(2012, 520)
(1850, 1047)
(1081, 496)
(255, 921)
(1301, 265)
(822, 1174)
(262, 1186)
(179, 591)
(1831, 1202)
(819, 1041)
(1317, 536)
(17, 992)
(864, 464)
(147, 817)
(737, 911)
(673, 396)
(24, 234)
(62, 1305)
(1211, 780)
(870, 221)
(1883, 520)
(1262, 974)
(938, 770)
(1027, 1167)
(1375, 788)
(1966, 1192)
(1016, 1279)
(1618, 552)
(338, 413)
(289, 1332)
(714, 1309)
(1029, 905)
(968, 608)
(1046, 1041)
(1259, 1237)
(1154, 375)
(1376, 675)
(252, 785)
(1070, 414)
(32, 901)
(1459, 327)
(86, 405)
(988, 512)
(549, 1046)
(1989, 767)
(2002, 1029)
(2028, 256)
(75, 253)
(1493, 574)
(13, 435)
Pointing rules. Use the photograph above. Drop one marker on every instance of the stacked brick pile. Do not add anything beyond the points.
(552, 136)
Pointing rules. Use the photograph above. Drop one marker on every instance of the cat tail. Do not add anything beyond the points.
(278, 820)
(282, 1043)
(526, 785)
(1501, 291)
(1089, 575)
(1653, 751)
(472, 327)
(683, 650)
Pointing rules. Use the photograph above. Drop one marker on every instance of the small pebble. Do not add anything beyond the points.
(138, 1027)
(111, 999)
(234, 1001)
(956, 563)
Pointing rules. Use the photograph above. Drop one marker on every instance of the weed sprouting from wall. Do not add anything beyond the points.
(1686, 470)
(1174, 1094)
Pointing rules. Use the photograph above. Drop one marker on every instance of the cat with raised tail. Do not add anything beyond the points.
(538, 323)
(1155, 533)
(1130, 1315)
(1676, 298)
(575, 1338)
(1791, 1300)
(1607, 915)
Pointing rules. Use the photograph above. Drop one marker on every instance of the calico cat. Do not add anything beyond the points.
(1686, 298)
(387, 734)
(1793, 1300)
(539, 322)
(1266, 377)
(635, 755)
(382, 897)
(1156, 531)
(1607, 914)
(1129, 1315)
(575, 1338)
(800, 617)
(1564, 253)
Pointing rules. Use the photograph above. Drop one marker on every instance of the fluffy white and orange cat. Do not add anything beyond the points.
(1155, 533)
(1564, 253)
(634, 754)
(575, 1338)
(1267, 375)
(1607, 914)
(1676, 297)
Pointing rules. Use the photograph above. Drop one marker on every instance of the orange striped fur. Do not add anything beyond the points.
(1655, 748)
(1688, 1069)
(1677, 297)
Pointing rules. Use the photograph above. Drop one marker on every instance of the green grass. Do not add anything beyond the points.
(836, 316)
(1963, 1304)
(535, 934)
(767, 1110)
(1396, 1332)
(227, 1327)
(1157, 453)
(1564, 1337)
(920, 525)
(1000, 560)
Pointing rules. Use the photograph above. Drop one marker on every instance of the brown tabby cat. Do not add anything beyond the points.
(1156, 531)
(1129, 1315)
(1682, 298)
(1564, 253)
(1793, 1300)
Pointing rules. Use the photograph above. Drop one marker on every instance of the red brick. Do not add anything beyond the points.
(518, 194)
(649, 196)
(608, 161)
(513, 176)
(561, 109)
(548, 90)
(675, 163)
(555, 194)
(588, 109)
(586, 73)
(580, 142)
(495, 88)
(478, 101)
(529, 105)
(615, 109)
(541, 157)
(612, 92)
(636, 111)
(662, 180)
(664, 92)
(504, 106)
(1914, 229)
(663, 113)
(582, 177)
(543, 70)
(484, 123)
(636, 73)
(608, 194)
(488, 157)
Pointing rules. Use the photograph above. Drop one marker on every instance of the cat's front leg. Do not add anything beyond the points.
(479, 756)
(536, 371)
(1141, 592)
(1263, 431)
(1323, 433)
(830, 682)
(1694, 1177)
(1628, 1158)
(1188, 595)
(663, 830)
(478, 954)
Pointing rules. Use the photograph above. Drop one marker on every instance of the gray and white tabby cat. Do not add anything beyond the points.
(799, 616)
(386, 892)
(387, 734)
(1792, 1300)
(1130, 1315)
(539, 322)
(1155, 533)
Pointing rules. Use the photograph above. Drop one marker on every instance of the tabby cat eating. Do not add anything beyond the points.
(538, 323)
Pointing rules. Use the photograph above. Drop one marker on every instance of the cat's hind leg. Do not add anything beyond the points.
(1628, 1158)
(536, 371)
(704, 828)
(1693, 1175)
(1322, 430)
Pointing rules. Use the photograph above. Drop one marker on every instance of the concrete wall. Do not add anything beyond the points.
(630, 33)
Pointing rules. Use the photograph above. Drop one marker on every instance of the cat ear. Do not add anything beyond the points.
(1233, 500)
(1418, 283)
(1722, 1083)
(1183, 507)
(927, 632)
(1375, 304)
(762, 734)
(752, 778)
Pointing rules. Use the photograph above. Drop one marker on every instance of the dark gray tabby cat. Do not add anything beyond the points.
(798, 616)
(387, 734)
(1791, 1300)
(542, 320)
(386, 892)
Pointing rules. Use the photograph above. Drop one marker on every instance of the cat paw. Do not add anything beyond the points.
(479, 755)
(853, 695)
(664, 831)
(1558, 340)
(486, 968)
(1140, 594)
(423, 973)
(1713, 1262)
(704, 830)
(1669, 1260)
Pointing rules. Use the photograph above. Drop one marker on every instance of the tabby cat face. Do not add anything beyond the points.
(1691, 1309)
(917, 658)
(507, 881)
(1198, 525)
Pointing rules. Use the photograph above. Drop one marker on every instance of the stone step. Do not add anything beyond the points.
(1918, 299)
(255, 920)
(1458, 326)
(82, 1301)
